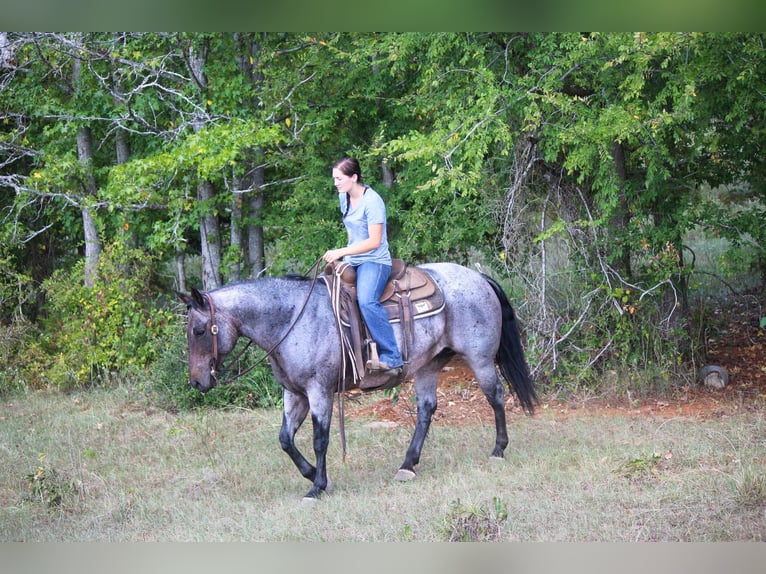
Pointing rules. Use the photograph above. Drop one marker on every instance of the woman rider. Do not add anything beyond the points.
(364, 216)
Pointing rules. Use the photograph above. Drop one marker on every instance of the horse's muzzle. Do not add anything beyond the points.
(202, 384)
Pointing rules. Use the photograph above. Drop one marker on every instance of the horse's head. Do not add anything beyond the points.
(211, 335)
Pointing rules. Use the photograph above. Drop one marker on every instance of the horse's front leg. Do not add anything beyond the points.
(425, 387)
(321, 416)
(296, 407)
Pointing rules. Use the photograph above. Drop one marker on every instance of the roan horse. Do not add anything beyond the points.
(294, 322)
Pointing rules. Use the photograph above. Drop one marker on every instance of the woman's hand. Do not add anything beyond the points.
(333, 255)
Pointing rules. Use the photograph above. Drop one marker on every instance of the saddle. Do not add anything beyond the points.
(409, 294)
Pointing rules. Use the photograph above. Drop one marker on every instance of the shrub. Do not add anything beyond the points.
(91, 332)
(169, 387)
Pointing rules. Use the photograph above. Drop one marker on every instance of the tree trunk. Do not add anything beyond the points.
(92, 247)
(256, 253)
(181, 269)
(210, 236)
(210, 232)
(388, 174)
(90, 230)
(235, 238)
(122, 146)
(253, 180)
(85, 157)
(122, 149)
(6, 54)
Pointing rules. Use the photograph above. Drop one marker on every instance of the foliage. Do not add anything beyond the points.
(468, 523)
(91, 332)
(17, 332)
(168, 385)
(49, 487)
(750, 489)
(572, 164)
(641, 466)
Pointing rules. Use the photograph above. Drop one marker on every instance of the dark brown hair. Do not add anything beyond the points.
(349, 166)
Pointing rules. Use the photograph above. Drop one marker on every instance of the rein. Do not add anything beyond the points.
(214, 333)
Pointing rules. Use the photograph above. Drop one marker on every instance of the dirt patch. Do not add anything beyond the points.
(734, 341)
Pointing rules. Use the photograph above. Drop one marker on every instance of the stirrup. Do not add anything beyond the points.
(376, 366)
(385, 378)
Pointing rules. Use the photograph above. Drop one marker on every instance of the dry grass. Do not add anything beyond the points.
(107, 466)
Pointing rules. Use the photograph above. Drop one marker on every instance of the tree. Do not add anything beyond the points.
(570, 163)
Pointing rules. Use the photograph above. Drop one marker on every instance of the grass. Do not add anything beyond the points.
(108, 466)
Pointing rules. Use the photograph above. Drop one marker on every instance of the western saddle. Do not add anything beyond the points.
(410, 294)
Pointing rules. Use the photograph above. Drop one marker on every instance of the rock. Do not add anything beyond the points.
(713, 376)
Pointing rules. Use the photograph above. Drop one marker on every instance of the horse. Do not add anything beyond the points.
(292, 318)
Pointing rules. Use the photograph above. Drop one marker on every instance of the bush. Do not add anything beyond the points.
(91, 332)
(90, 335)
(169, 384)
(16, 340)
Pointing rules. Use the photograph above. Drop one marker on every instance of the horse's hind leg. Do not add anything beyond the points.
(425, 388)
(489, 383)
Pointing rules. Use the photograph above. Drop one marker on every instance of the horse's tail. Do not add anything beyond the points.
(510, 355)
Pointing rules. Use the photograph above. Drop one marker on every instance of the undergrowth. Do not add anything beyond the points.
(471, 523)
(168, 383)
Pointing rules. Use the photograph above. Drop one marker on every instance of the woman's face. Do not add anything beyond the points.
(343, 182)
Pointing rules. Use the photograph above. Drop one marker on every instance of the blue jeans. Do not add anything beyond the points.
(371, 279)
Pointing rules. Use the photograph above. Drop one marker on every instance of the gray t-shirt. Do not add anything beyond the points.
(369, 211)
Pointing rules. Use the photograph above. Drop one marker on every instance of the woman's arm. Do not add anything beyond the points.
(375, 232)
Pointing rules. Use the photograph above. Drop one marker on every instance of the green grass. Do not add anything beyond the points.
(108, 466)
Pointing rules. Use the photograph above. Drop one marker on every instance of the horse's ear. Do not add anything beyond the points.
(195, 300)
(185, 299)
(199, 301)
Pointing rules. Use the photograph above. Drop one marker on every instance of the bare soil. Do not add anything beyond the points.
(734, 341)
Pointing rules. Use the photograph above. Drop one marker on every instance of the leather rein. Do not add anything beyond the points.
(214, 370)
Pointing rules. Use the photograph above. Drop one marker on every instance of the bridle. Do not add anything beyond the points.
(214, 333)
(214, 362)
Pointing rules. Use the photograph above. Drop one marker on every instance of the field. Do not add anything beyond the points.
(109, 466)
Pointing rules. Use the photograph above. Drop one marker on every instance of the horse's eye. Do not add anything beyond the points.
(199, 331)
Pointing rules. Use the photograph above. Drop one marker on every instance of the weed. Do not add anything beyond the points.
(393, 394)
(750, 491)
(407, 534)
(471, 524)
(640, 466)
(47, 486)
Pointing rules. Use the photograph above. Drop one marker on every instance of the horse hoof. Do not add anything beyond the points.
(309, 501)
(403, 475)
